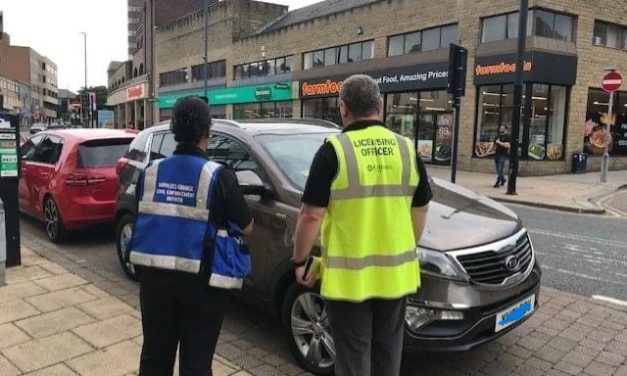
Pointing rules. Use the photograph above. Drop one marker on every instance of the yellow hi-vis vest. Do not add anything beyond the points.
(368, 242)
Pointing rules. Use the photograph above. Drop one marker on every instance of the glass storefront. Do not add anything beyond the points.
(262, 110)
(326, 108)
(427, 118)
(597, 118)
(544, 109)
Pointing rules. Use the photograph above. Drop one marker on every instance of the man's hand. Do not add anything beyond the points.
(299, 273)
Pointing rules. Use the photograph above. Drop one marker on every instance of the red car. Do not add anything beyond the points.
(68, 177)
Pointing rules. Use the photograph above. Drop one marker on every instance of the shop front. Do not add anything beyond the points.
(167, 100)
(548, 78)
(272, 100)
(131, 106)
(416, 105)
(597, 119)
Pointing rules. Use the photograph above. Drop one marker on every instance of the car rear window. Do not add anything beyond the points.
(102, 153)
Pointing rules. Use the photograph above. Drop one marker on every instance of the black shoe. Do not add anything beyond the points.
(497, 184)
(503, 182)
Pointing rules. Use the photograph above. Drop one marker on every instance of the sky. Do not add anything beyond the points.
(53, 28)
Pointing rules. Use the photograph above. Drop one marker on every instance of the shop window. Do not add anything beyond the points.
(539, 22)
(318, 58)
(541, 135)
(597, 119)
(308, 60)
(342, 55)
(494, 28)
(254, 69)
(263, 110)
(412, 42)
(269, 68)
(448, 35)
(289, 64)
(173, 77)
(322, 108)
(263, 68)
(431, 39)
(214, 70)
(338, 55)
(367, 50)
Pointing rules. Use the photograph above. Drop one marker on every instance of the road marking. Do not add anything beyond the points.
(586, 276)
(591, 239)
(610, 300)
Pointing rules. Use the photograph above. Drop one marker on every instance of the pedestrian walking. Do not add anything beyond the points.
(500, 148)
(369, 192)
(186, 206)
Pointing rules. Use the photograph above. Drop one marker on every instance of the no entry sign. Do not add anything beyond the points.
(612, 81)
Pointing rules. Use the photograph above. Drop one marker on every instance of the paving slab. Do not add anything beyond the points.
(6, 368)
(44, 352)
(60, 282)
(54, 322)
(26, 273)
(107, 332)
(18, 290)
(108, 306)
(16, 310)
(119, 359)
(11, 335)
(55, 300)
(56, 370)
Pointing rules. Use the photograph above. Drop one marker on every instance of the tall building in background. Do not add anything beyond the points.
(24, 64)
(135, 10)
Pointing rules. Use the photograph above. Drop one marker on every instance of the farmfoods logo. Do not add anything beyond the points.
(502, 68)
(329, 87)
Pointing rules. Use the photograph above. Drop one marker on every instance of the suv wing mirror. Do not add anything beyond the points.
(250, 183)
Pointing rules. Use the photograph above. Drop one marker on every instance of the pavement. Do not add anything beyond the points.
(55, 323)
(579, 193)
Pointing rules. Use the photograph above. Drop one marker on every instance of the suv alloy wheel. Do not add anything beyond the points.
(123, 234)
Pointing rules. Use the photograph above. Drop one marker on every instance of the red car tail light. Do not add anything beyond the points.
(78, 179)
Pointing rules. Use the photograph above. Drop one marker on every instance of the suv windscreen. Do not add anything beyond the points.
(293, 153)
(102, 153)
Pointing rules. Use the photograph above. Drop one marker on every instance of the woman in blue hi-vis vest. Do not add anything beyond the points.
(185, 202)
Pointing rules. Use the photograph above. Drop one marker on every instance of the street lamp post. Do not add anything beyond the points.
(85, 54)
(206, 57)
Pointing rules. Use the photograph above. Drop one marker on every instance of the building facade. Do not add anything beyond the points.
(24, 64)
(135, 9)
(10, 99)
(274, 63)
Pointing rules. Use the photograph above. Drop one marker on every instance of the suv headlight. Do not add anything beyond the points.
(439, 264)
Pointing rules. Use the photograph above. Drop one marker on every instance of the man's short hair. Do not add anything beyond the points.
(361, 95)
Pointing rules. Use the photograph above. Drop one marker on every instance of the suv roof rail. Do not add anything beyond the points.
(311, 121)
(232, 123)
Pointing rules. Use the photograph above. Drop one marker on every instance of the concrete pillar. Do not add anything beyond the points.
(127, 118)
(147, 114)
(135, 115)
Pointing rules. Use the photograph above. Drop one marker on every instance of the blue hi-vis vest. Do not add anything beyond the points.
(172, 226)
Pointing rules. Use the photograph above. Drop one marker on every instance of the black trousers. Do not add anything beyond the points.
(179, 310)
(368, 336)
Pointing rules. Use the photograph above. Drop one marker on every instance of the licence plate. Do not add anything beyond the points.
(515, 313)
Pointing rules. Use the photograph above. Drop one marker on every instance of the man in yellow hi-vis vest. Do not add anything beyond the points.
(368, 193)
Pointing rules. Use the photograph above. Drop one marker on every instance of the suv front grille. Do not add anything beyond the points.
(490, 267)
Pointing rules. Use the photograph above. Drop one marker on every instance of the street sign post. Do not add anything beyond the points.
(611, 82)
(456, 87)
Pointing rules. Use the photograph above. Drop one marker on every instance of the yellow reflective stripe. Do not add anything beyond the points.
(352, 166)
(373, 191)
(357, 263)
(150, 180)
(173, 210)
(165, 262)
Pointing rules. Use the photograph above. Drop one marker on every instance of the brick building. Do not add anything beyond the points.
(269, 62)
(24, 64)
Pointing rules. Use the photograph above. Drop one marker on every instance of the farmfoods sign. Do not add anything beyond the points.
(416, 77)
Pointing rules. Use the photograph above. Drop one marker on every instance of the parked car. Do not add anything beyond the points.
(68, 177)
(37, 127)
(480, 276)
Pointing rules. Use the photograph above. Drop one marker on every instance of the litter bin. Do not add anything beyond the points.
(3, 243)
(580, 163)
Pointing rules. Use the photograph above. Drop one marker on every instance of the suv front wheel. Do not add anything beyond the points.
(308, 330)
(124, 231)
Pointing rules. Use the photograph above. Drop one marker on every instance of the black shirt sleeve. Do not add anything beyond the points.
(423, 193)
(229, 203)
(321, 174)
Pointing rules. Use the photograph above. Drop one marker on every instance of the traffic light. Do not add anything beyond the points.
(457, 71)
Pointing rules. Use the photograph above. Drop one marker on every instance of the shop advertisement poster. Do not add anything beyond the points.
(8, 155)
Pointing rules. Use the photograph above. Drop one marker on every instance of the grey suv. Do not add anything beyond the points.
(480, 275)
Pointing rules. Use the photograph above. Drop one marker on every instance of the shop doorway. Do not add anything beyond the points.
(434, 136)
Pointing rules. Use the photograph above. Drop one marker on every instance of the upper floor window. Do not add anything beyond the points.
(173, 77)
(609, 35)
(267, 67)
(429, 39)
(540, 22)
(347, 53)
(216, 69)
